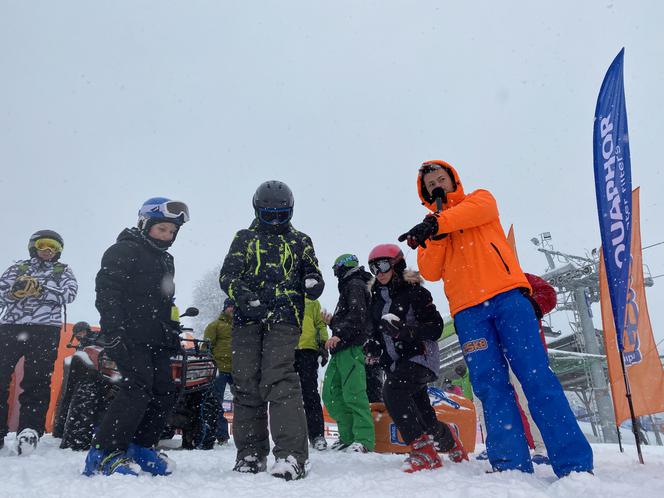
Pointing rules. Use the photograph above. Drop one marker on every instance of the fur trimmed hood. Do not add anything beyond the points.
(409, 276)
(412, 277)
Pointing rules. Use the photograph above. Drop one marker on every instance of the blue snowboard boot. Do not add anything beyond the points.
(150, 460)
(107, 462)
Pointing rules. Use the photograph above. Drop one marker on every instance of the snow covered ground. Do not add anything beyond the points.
(52, 472)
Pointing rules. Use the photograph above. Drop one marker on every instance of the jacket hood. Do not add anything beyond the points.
(412, 277)
(359, 273)
(453, 198)
(134, 234)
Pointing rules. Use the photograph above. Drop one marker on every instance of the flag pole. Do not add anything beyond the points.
(622, 450)
(635, 422)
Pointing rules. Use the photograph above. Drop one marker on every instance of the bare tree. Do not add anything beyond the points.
(209, 299)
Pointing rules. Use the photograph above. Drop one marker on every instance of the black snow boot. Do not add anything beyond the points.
(251, 464)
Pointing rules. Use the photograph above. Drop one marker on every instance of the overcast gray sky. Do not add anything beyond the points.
(104, 104)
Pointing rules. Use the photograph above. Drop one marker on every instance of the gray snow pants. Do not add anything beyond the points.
(264, 378)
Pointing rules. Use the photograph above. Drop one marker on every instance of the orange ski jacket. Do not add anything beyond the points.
(475, 261)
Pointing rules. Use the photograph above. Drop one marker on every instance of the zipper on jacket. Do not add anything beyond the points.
(507, 268)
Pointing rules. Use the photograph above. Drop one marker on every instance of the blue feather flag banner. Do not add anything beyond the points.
(613, 187)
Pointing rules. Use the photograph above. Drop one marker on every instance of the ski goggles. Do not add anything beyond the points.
(48, 245)
(343, 262)
(380, 266)
(275, 216)
(429, 167)
(174, 209)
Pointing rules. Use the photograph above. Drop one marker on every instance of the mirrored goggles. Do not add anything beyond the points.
(275, 216)
(175, 209)
(380, 266)
(48, 244)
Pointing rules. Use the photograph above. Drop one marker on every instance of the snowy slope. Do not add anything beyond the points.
(52, 472)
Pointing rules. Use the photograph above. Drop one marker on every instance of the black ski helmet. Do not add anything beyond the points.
(44, 234)
(81, 327)
(84, 333)
(273, 202)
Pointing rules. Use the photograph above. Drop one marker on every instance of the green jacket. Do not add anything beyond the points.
(219, 334)
(314, 329)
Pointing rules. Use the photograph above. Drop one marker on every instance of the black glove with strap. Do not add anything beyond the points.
(313, 285)
(251, 307)
(420, 233)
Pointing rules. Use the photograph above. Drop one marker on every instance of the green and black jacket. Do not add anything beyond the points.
(270, 262)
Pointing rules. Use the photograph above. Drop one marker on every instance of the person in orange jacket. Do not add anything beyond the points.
(463, 244)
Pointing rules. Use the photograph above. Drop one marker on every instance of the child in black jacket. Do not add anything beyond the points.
(407, 328)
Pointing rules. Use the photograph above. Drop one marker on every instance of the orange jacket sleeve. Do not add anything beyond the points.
(478, 208)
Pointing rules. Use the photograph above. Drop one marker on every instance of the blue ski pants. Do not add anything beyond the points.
(220, 383)
(505, 329)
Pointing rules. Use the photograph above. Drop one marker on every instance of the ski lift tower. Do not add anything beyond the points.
(576, 280)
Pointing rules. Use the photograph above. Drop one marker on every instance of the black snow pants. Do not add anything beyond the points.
(38, 345)
(306, 366)
(264, 378)
(407, 402)
(139, 410)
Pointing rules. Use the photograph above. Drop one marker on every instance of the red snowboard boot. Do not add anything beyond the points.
(458, 453)
(423, 455)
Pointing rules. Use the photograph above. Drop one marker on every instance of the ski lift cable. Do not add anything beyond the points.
(652, 245)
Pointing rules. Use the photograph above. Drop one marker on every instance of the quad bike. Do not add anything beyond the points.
(91, 380)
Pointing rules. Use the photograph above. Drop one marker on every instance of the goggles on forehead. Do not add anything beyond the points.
(429, 167)
(338, 265)
(48, 244)
(345, 260)
(380, 266)
(275, 216)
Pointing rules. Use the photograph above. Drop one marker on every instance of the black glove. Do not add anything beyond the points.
(396, 328)
(251, 307)
(420, 233)
(172, 331)
(115, 347)
(372, 352)
(313, 290)
(323, 355)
